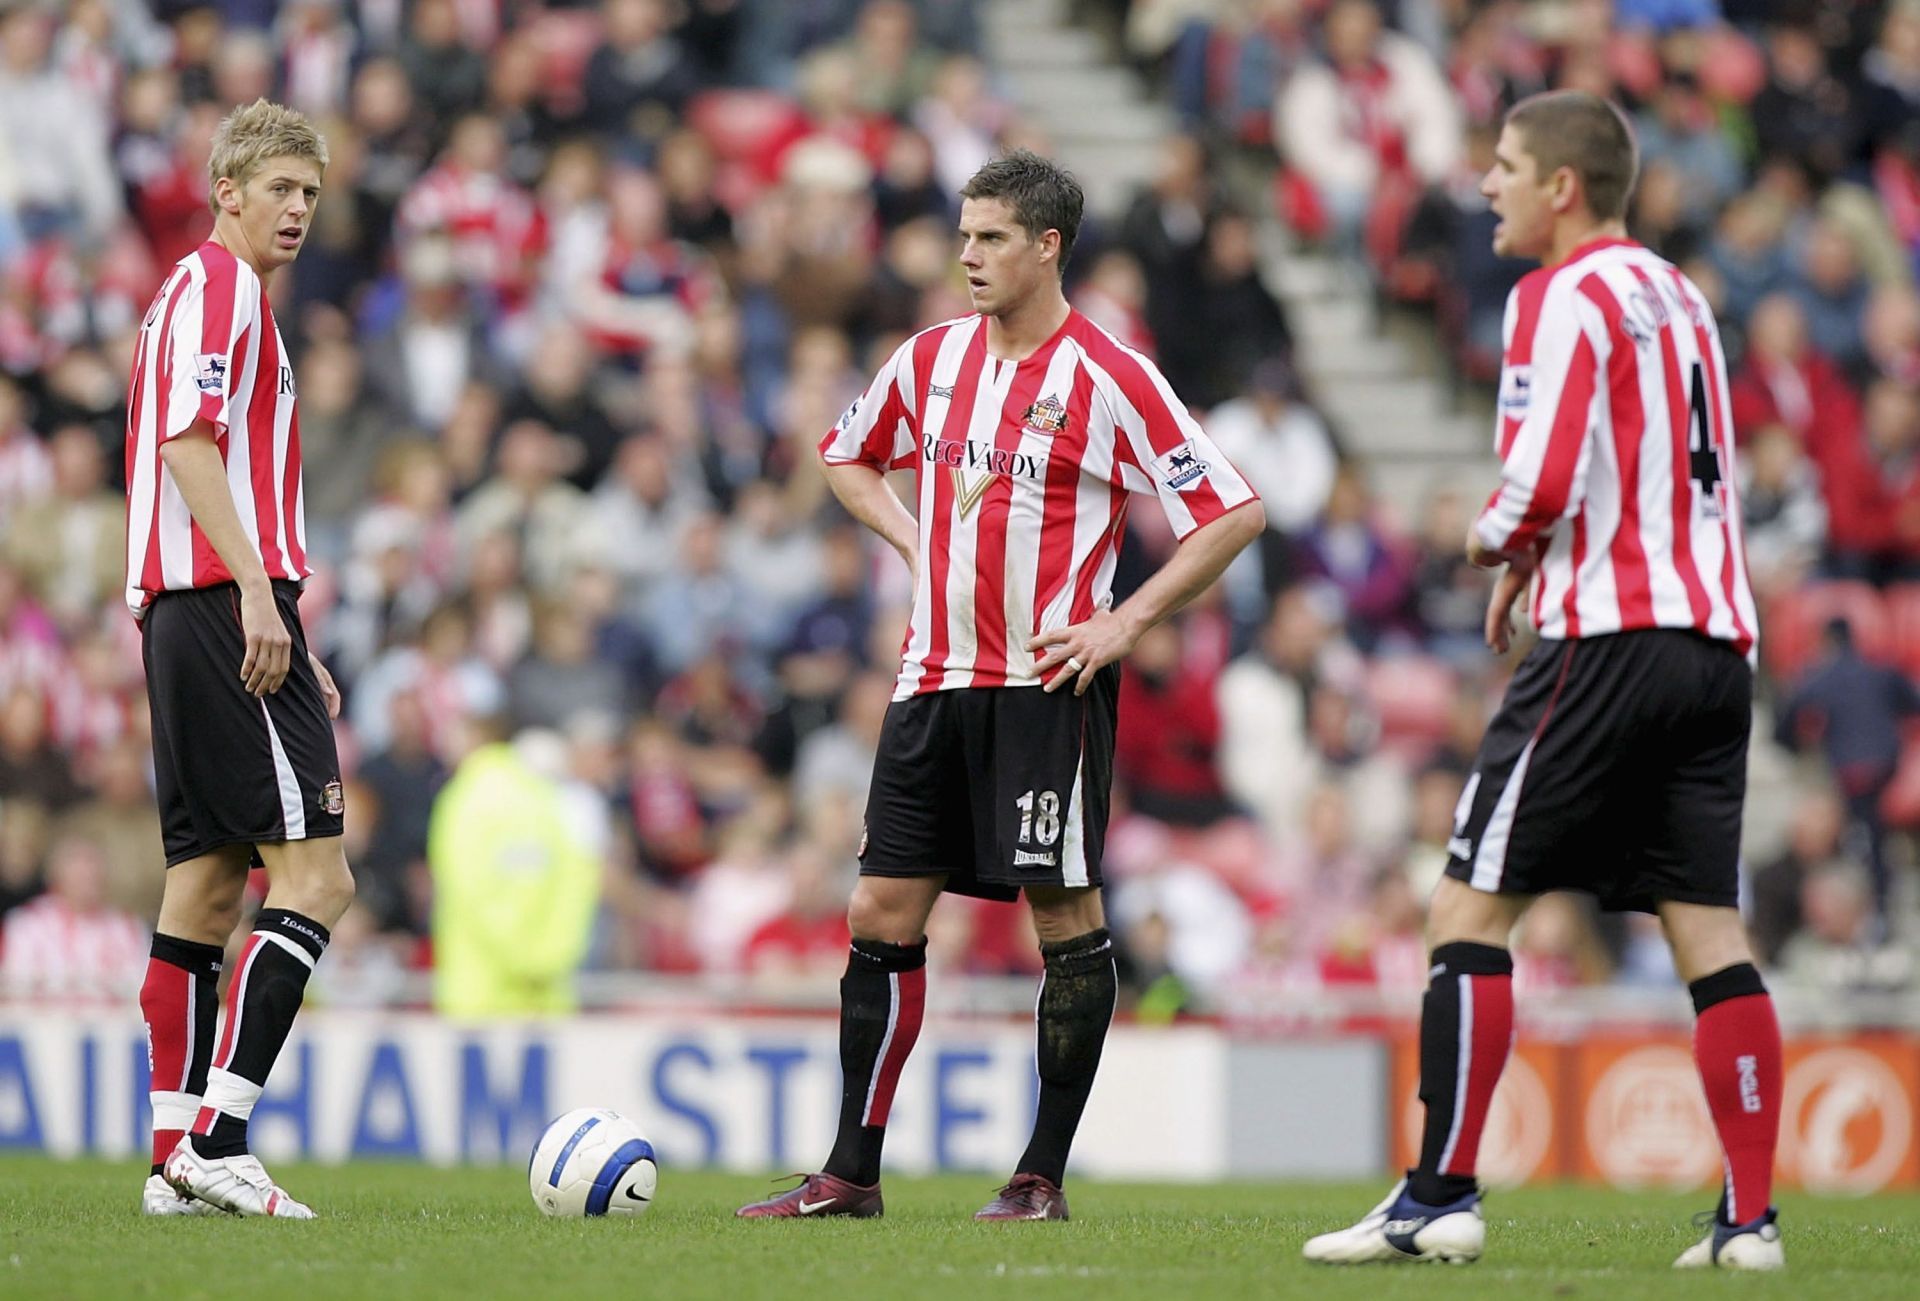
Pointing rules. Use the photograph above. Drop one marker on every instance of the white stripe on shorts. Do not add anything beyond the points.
(1490, 863)
(293, 809)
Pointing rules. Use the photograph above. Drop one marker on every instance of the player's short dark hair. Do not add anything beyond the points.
(1580, 130)
(1043, 195)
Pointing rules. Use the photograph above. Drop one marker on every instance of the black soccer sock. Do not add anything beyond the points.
(180, 1001)
(1076, 1006)
(268, 985)
(882, 999)
(1466, 1028)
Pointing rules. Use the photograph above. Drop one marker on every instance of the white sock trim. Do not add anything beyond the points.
(173, 1109)
(287, 944)
(230, 1095)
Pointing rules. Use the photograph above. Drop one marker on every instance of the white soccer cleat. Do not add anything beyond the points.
(159, 1198)
(1753, 1245)
(1401, 1229)
(233, 1183)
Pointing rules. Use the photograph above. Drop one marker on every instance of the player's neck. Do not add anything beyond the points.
(1018, 333)
(228, 235)
(1571, 237)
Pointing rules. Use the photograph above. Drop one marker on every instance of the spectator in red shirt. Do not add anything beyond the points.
(809, 938)
(495, 229)
(1166, 752)
(1873, 490)
(1784, 381)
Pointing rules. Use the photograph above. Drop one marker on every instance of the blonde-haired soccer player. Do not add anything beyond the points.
(243, 746)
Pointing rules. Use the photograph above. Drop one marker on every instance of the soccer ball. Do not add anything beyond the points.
(592, 1161)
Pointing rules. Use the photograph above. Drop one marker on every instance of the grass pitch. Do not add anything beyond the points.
(399, 1232)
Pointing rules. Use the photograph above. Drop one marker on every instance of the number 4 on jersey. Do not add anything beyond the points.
(1704, 456)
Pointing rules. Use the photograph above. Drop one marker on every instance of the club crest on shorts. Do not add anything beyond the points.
(333, 798)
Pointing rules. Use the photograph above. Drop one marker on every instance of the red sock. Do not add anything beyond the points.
(163, 1002)
(1466, 1030)
(1736, 1042)
(909, 1007)
(1492, 1039)
(178, 1000)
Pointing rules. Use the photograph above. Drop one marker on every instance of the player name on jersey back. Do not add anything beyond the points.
(1615, 434)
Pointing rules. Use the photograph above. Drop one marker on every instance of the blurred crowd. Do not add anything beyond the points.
(588, 281)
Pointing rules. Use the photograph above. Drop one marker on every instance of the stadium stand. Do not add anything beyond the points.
(588, 280)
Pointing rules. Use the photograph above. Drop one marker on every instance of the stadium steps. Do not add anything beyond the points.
(1100, 117)
(1379, 385)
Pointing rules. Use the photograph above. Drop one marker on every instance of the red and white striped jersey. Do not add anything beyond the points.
(47, 950)
(1024, 471)
(209, 350)
(1615, 435)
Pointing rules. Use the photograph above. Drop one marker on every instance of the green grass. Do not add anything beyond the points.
(397, 1232)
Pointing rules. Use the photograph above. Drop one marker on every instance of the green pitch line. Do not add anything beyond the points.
(397, 1232)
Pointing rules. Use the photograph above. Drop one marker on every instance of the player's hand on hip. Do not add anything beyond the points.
(328, 691)
(269, 644)
(1513, 581)
(1081, 650)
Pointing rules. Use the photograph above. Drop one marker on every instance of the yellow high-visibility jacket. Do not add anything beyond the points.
(515, 888)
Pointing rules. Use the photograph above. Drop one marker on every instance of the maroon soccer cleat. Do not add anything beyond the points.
(817, 1195)
(1026, 1197)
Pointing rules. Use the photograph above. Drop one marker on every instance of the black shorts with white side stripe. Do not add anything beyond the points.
(1616, 765)
(998, 788)
(232, 768)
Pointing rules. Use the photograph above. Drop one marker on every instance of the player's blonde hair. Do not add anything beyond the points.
(252, 134)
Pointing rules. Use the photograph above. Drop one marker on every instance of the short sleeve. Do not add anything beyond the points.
(1160, 448)
(203, 348)
(878, 429)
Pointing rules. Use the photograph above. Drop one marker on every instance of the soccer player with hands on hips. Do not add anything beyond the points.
(1616, 764)
(1027, 426)
(243, 749)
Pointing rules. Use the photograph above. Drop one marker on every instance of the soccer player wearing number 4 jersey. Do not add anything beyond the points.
(242, 743)
(1027, 427)
(1617, 762)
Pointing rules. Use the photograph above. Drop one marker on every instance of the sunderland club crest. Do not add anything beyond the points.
(1047, 416)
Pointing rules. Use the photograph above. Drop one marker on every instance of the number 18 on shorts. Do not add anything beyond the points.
(999, 788)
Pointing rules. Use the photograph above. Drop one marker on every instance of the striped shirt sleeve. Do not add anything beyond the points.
(1547, 410)
(1161, 448)
(878, 430)
(204, 347)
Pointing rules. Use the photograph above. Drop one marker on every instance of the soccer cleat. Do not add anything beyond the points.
(232, 1183)
(1400, 1228)
(159, 1198)
(1753, 1245)
(1026, 1197)
(818, 1195)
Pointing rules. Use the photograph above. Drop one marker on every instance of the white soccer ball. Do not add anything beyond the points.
(592, 1161)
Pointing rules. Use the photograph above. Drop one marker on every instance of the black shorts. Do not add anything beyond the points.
(1617, 766)
(232, 768)
(999, 788)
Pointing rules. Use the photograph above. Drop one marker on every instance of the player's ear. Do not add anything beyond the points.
(1565, 189)
(227, 194)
